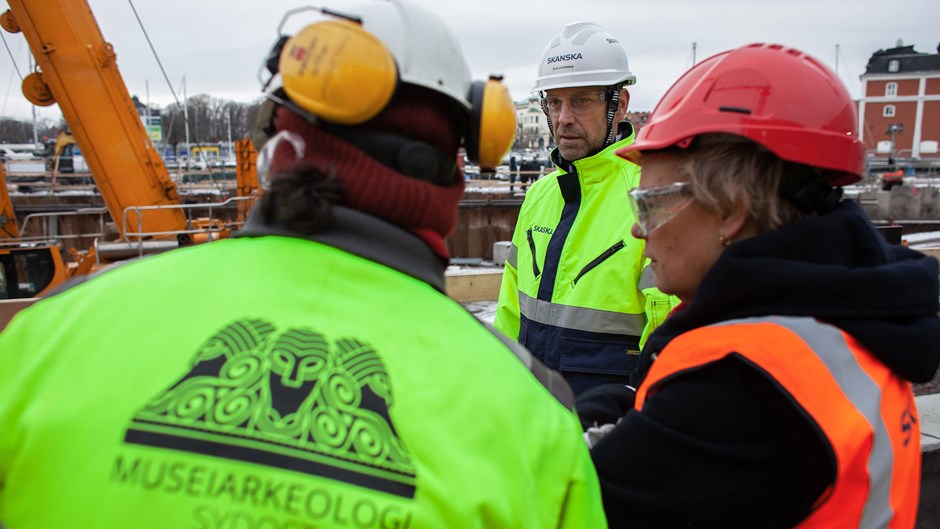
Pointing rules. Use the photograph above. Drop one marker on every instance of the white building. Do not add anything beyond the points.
(531, 126)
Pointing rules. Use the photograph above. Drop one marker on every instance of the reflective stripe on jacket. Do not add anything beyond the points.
(571, 290)
(866, 412)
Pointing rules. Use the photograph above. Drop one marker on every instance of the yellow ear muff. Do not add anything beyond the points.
(338, 71)
(493, 124)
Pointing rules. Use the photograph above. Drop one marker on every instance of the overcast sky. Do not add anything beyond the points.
(218, 45)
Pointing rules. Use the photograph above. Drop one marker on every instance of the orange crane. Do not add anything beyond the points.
(25, 270)
(8, 226)
(77, 69)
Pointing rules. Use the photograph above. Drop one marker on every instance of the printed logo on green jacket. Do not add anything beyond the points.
(284, 398)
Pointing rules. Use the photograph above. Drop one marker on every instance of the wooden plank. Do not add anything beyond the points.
(9, 308)
(933, 252)
(472, 285)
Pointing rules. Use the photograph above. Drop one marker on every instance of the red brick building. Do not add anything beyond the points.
(638, 119)
(901, 102)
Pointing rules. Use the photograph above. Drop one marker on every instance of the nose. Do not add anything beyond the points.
(637, 232)
(565, 115)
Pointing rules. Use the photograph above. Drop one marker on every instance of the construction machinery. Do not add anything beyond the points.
(26, 269)
(63, 156)
(77, 68)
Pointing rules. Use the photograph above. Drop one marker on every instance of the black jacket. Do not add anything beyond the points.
(723, 446)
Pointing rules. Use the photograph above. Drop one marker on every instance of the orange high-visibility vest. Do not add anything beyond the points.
(865, 410)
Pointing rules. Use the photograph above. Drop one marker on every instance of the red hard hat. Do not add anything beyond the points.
(776, 96)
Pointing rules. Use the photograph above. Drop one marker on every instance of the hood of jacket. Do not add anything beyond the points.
(836, 268)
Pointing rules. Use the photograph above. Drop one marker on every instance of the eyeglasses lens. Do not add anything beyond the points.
(654, 206)
(577, 103)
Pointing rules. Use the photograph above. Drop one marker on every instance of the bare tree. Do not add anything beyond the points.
(210, 120)
(17, 131)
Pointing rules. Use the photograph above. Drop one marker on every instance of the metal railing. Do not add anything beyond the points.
(49, 231)
(137, 242)
(208, 224)
(46, 238)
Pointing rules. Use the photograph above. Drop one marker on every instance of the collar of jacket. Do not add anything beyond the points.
(596, 166)
(366, 236)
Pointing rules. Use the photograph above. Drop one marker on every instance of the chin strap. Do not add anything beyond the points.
(548, 118)
(613, 100)
(809, 192)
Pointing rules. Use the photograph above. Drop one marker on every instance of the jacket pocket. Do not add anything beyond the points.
(600, 259)
(617, 357)
(657, 310)
(535, 264)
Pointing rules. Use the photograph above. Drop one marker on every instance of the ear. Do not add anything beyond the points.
(623, 104)
(734, 223)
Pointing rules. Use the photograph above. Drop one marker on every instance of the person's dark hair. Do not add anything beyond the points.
(301, 200)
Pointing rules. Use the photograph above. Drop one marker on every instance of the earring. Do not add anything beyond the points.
(724, 241)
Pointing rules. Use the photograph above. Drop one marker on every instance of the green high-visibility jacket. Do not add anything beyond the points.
(573, 288)
(273, 381)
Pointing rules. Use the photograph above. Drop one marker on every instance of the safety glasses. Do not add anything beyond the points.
(655, 206)
(578, 103)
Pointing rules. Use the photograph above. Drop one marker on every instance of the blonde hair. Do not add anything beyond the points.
(727, 170)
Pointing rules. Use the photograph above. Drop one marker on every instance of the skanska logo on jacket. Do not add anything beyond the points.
(564, 57)
(287, 398)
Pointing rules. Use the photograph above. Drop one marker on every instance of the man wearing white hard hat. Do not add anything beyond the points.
(574, 290)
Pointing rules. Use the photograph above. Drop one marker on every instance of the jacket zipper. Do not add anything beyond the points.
(535, 265)
(600, 259)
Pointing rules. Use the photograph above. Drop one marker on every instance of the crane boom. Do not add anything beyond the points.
(78, 70)
(9, 229)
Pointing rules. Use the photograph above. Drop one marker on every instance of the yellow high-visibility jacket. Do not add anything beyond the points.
(573, 289)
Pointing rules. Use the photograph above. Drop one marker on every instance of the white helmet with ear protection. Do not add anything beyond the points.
(426, 52)
(345, 70)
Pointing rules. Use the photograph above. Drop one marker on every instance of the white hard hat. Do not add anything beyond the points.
(583, 54)
(353, 59)
(427, 53)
